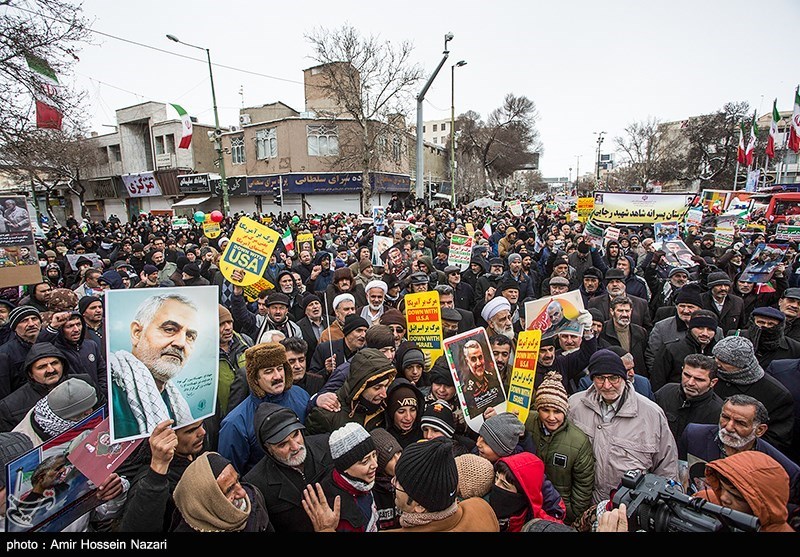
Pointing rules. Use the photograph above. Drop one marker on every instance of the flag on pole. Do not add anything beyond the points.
(750, 150)
(287, 239)
(186, 127)
(773, 130)
(794, 129)
(486, 231)
(47, 115)
(740, 150)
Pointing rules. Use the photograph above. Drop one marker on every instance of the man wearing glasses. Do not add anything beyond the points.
(628, 431)
(463, 294)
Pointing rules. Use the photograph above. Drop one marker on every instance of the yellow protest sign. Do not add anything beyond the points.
(211, 229)
(470, 229)
(520, 391)
(252, 291)
(585, 208)
(424, 323)
(249, 250)
(305, 241)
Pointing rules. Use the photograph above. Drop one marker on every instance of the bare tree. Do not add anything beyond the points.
(646, 148)
(51, 30)
(371, 82)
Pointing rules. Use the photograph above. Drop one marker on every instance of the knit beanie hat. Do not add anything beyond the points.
(307, 299)
(551, 393)
(408, 353)
(704, 318)
(689, 294)
(13, 444)
(86, 301)
(379, 336)
(597, 314)
(385, 445)
(224, 315)
(427, 473)
(19, 313)
(72, 398)
(192, 270)
(440, 372)
(265, 355)
(439, 416)
(393, 317)
(398, 397)
(718, 278)
(475, 475)
(606, 362)
(349, 444)
(502, 433)
(738, 352)
(364, 264)
(353, 322)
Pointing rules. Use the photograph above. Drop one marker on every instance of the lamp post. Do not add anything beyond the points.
(453, 128)
(420, 178)
(599, 142)
(226, 206)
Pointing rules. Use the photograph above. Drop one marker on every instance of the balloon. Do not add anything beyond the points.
(295, 219)
(216, 216)
(199, 217)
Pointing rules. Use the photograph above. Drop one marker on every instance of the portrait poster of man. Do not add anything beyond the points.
(665, 231)
(19, 263)
(379, 245)
(379, 218)
(553, 314)
(305, 242)
(45, 491)
(763, 262)
(97, 457)
(72, 259)
(475, 375)
(678, 254)
(162, 357)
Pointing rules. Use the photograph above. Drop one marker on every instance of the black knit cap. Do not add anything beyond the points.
(353, 322)
(385, 445)
(440, 372)
(689, 294)
(20, 313)
(217, 462)
(427, 472)
(307, 299)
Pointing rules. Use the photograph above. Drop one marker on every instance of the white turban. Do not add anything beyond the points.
(495, 306)
(376, 284)
(341, 298)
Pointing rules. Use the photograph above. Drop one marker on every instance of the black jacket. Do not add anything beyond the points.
(788, 373)
(638, 344)
(282, 486)
(84, 356)
(732, 314)
(640, 312)
(704, 409)
(668, 363)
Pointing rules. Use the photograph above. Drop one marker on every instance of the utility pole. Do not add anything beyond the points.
(599, 143)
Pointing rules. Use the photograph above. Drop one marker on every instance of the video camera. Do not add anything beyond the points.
(656, 504)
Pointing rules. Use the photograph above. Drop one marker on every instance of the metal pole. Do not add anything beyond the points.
(420, 177)
(226, 206)
(453, 129)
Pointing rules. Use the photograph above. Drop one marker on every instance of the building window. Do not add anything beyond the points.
(237, 150)
(114, 153)
(434, 127)
(266, 144)
(435, 140)
(165, 144)
(397, 148)
(102, 155)
(444, 139)
(444, 127)
(423, 129)
(323, 141)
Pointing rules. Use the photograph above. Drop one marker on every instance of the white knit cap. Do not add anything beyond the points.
(341, 298)
(495, 306)
(376, 284)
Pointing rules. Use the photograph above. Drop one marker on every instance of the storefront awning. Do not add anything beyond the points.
(191, 200)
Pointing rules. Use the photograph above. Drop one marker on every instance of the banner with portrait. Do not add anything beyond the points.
(520, 390)
(640, 208)
(762, 263)
(163, 357)
(665, 231)
(305, 242)
(424, 322)
(678, 254)
(250, 247)
(97, 457)
(475, 376)
(19, 262)
(45, 492)
(553, 314)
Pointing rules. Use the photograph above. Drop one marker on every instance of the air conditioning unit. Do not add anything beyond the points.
(244, 119)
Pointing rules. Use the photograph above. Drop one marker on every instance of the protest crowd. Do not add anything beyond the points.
(658, 347)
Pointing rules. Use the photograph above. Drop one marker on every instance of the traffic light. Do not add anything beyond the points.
(277, 193)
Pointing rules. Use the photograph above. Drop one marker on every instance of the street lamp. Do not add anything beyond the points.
(453, 128)
(226, 206)
(599, 142)
(420, 179)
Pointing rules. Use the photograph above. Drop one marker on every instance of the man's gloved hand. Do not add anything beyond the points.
(585, 319)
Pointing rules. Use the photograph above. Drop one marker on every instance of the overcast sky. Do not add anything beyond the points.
(588, 66)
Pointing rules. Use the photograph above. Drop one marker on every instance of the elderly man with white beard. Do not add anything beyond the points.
(163, 336)
(376, 293)
(497, 313)
(292, 461)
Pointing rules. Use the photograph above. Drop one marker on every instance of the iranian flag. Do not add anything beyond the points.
(47, 115)
(773, 130)
(740, 150)
(486, 231)
(288, 242)
(794, 129)
(750, 150)
(186, 127)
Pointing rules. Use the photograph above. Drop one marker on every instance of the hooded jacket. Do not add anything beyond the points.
(506, 244)
(762, 482)
(368, 365)
(668, 364)
(528, 469)
(415, 433)
(83, 356)
(435, 276)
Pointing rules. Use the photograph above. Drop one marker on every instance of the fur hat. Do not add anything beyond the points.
(265, 355)
(72, 398)
(342, 273)
(386, 446)
(427, 473)
(551, 393)
(349, 444)
(439, 416)
(475, 475)
(502, 432)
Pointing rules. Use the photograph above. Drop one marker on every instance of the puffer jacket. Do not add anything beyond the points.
(569, 463)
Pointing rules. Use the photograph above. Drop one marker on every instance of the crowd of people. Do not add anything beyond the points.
(328, 418)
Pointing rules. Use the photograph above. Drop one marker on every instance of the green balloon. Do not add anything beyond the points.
(295, 219)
